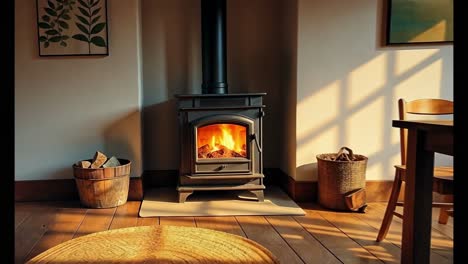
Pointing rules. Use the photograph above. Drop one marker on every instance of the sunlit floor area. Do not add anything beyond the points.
(322, 236)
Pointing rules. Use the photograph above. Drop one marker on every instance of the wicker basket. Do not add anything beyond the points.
(339, 175)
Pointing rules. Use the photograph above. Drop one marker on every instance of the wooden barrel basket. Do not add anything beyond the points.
(103, 187)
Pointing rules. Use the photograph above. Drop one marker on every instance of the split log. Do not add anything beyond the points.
(356, 200)
(216, 154)
(223, 152)
(203, 151)
(83, 164)
(235, 154)
(98, 160)
(112, 162)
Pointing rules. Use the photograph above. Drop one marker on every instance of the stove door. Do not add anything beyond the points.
(223, 144)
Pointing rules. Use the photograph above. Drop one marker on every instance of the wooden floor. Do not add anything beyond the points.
(319, 237)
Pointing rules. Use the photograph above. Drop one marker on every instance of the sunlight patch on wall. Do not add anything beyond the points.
(325, 142)
(417, 86)
(367, 79)
(359, 124)
(317, 109)
(406, 60)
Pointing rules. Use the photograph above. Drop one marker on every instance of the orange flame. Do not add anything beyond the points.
(230, 136)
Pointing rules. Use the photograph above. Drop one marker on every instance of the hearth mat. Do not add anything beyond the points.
(164, 202)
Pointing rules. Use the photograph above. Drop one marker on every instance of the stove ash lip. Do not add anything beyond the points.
(213, 25)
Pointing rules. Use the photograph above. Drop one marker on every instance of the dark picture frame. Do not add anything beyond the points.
(419, 22)
(72, 27)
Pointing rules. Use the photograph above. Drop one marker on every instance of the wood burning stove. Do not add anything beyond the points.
(220, 133)
(221, 143)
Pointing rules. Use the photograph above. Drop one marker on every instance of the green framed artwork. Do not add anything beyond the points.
(72, 27)
(419, 21)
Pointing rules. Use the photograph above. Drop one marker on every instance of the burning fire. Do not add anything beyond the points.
(221, 141)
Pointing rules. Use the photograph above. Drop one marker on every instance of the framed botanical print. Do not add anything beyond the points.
(72, 27)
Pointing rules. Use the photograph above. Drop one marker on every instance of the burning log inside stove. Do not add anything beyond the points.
(243, 152)
(203, 151)
(221, 151)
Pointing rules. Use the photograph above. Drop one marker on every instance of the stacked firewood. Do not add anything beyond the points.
(99, 160)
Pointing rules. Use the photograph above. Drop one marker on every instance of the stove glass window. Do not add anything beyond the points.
(217, 141)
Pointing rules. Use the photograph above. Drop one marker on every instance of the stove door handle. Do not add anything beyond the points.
(254, 137)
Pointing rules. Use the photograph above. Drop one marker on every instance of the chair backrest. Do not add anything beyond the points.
(420, 107)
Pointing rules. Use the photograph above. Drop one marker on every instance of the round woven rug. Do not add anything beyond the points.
(157, 244)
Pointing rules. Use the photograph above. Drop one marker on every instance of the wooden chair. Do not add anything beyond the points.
(443, 176)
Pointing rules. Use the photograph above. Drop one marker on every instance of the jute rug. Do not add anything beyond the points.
(158, 244)
(163, 202)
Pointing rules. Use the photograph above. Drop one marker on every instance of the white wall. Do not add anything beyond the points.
(329, 84)
(171, 65)
(348, 85)
(66, 108)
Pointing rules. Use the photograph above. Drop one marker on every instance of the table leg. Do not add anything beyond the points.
(416, 238)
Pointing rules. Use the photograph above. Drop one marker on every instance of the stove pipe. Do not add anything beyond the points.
(213, 14)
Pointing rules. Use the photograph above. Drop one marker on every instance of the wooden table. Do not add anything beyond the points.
(424, 139)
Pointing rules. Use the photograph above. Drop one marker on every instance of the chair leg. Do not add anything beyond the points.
(390, 207)
(443, 215)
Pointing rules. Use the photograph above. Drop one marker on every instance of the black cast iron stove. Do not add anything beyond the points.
(221, 143)
(220, 133)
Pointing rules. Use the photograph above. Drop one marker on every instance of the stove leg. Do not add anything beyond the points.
(183, 195)
(259, 194)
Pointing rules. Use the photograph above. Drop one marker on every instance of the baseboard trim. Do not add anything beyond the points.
(299, 191)
(307, 191)
(63, 190)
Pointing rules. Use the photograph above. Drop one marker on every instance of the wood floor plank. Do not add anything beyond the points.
(363, 234)
(226, 224)
(347, 237)
(147, 221)
(95, 220)
(309, 249)
(373, 217)
(22, 212)
(446, 229)
(439, 229)
(259, 229)
(126, 215)
(178, 221)
(440, 243)
(61, 229)
(31, 230)
(343, 247)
